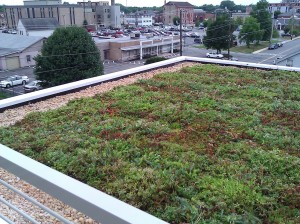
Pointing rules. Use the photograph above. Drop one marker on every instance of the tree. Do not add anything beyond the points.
(218, 33)
(263, 17)
(69, 54)
(239, 21)
(176, 21)
(276, 14)
(227, 4)
(85, 23)
(251, 31)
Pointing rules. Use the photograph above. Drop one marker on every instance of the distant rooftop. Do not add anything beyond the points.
(180, 4)
(40, 23)
(10, 43)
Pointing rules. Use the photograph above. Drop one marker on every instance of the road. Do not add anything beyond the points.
(189, 49)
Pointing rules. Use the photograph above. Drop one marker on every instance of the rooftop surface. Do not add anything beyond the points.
(207, 143)
(13, 43)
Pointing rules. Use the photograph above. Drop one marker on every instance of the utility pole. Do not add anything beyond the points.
(272, 18)
(229, 38)
(180, 36)
(292, 28)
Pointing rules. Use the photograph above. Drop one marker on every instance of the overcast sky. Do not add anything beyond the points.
(141, 3)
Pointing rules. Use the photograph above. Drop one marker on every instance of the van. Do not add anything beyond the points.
(197, 41)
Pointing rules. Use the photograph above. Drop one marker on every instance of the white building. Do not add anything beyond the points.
(138, 20)
(40, 27)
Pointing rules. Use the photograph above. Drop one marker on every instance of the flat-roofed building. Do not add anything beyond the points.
(126, 49)
(42, 2)
(66, 14)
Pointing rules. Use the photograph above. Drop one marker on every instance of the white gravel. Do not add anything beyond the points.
(11, 116)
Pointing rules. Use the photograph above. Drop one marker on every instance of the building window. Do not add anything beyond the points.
(28, 57)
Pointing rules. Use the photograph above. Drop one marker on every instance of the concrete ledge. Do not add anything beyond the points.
(74, 86)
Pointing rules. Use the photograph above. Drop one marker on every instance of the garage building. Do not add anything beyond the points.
(18, 51)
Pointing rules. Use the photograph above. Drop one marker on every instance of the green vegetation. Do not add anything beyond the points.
(207, 144)
(218, 33)
(251, 48)
(251, 32)
(154, 59)
(261, 13)
(4, 95)
(68, 55)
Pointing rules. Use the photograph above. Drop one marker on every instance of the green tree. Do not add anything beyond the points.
(263, 17)
(207, 22)
(85, 23)
(276, 14)
(239, 21)
(69, 54)
(251, 31)
(218, 33)
(176, 21)
(227, 4)
(208, 8)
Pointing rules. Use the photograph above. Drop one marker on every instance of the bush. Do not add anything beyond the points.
(154, 59)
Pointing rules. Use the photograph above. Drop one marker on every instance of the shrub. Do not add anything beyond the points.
(154, 59)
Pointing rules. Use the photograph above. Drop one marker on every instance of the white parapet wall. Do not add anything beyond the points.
(26, 98)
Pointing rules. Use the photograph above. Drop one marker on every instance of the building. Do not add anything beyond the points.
(172, 9)
(199, 15)
(42, 2)
(65, 14)
(136, 19)
(284, 7)
(126, 49)
(42, 27)
(108, 16)
(105, 15)
(242, 15)
(2, 19)
(18, 51)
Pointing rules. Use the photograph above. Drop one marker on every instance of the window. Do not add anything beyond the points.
(28, 57)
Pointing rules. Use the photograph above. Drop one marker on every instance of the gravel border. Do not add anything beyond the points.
(11, 116)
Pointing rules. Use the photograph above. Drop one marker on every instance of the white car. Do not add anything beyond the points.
(13, 81)
(214, 55)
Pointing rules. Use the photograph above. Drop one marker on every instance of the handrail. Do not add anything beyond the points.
(90, 201)
(46, 209)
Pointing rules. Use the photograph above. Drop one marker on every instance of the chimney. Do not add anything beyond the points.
(112, 2)
(165, 1)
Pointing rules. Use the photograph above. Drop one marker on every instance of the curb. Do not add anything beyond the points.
(258, 51)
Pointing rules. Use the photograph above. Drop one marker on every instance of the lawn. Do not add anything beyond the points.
(4, 95)
(207, 144)
(252, 48)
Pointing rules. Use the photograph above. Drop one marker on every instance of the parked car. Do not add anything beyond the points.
(273, 46)
(285, 35)
(214, 55)
(280, 44)
(33, 86)
(194, 35)
(197, 41)
(13, 81)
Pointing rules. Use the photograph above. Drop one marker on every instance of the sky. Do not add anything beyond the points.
(141, 3)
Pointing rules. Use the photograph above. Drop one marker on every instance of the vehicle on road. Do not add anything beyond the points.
(194, 35)
(280, 44)
(273, 46)
(214, 55)
(285, 35)
(198, 41)
(33, 86)
(14, 80)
